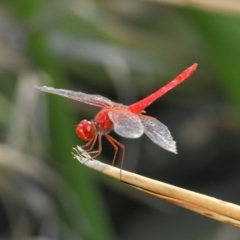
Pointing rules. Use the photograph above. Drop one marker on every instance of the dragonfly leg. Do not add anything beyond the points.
(98, 152)
(90, 143)
(116, 146)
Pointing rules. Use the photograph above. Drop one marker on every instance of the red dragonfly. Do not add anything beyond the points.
(126, 121)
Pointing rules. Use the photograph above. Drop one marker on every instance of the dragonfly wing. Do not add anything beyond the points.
(158, 133)
(126, 123)
(95, 100)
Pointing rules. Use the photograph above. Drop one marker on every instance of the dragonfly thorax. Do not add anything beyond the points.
(85, 130)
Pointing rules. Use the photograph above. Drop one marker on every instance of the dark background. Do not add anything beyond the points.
(123, 50)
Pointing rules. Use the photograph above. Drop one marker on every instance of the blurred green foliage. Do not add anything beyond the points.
(123, 50)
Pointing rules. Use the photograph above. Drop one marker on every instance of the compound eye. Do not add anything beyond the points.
(85, 130)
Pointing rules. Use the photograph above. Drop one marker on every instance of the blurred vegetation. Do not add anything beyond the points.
(123, 50)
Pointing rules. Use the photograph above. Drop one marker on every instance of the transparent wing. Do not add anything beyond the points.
(158, 133)
(126, 123)
(95, 100)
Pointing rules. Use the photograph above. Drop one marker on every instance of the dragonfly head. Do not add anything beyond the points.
(85, 130)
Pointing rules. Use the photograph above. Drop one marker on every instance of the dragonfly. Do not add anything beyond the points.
(127, 121)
